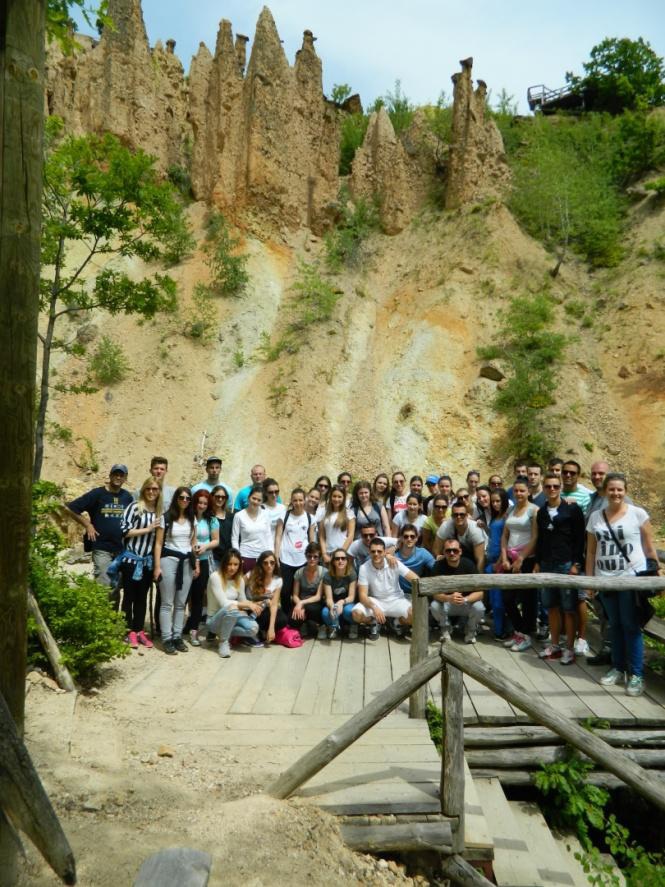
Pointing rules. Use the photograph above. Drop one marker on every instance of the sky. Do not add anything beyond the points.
(369, 44)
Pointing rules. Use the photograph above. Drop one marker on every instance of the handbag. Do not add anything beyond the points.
(288, 637)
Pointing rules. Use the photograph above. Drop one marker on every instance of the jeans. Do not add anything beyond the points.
(100, 563)
(172, 609)
(196, 593)
(495, 596)
(469, 615)
(625, 632)
(231, 622)
(346, 615)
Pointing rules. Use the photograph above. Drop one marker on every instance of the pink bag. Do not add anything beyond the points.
(288, 637)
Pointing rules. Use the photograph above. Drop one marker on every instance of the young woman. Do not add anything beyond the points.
(270, 504)
(381, 489)
(307, 594)
(499, 505)
(264, 585)
(175, 565)
(483, 511)
(323, 485)
(219, 508)
(473, 482)
(367, 512)
(397, 497)
(345, 480)
(339, 590)
(139, 524)
(230, 614)
(464, 497)
(294, 531)
(337, 527)
(434, 520)
(626, 541)
(518, 543)
(252, 532)
(411, 515)
(207, 540)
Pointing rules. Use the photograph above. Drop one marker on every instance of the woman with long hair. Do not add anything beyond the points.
(483, 510)
(518, 543)
(175, 565)
(381, 489)
(139, 524)
(412, 514)
(294, 531)
(306, 598)
(264, 585)
(252, 531)
(434, 520)
(499, 505)
(620, 544)
(463, 497)
(276, 510)
(230, 614)
(338, 524)
(219, 509)
(368, 513)
(323, 484)
(207, 540)
(339, 591)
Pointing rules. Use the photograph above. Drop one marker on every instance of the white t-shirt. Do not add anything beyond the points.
(402, 518)
(335, 537)
(265, 597)
(251, 536)
(360, 552)
(275, 513)
(609, 560)
(178, 537)
(382, 584)
(220, 593)
(519, 527)
(295, 539)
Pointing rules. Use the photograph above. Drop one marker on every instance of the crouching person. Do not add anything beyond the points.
(467, 606)
(379, 593)
(230, 614)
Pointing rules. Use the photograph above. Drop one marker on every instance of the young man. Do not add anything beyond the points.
(258, 475)
(466, 532)
(417, 559)
(560, 549)
(466, 605)
(431, 482)
(104, 507)
(213, 471)
(359, 548)
(534, 473)
(379, 594)
(554, 465)
(572, 490)
(519, 470)
(159, 465)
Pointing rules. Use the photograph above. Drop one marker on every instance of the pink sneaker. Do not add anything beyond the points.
(132, 640)
(144, 639)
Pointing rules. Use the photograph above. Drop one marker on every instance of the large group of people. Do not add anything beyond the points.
(339, 558)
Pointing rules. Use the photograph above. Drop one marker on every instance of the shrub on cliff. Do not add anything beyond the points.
(228, 267)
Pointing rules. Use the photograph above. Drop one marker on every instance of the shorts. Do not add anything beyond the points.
(393, 608)
(566, 598)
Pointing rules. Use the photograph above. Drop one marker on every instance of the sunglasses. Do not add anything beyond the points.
(184, 498)
(339, 557)
(222, 498)
(568, 471)
(452, 550)
(441, 507)
(459, 514)
(552, 486)
(151, 490)
(408, 536)
(367, 535)
(270, 563)
(465, 496)
(272, 492)
(323, 486)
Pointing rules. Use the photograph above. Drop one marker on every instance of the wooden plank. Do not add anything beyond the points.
(318, 680)
(281, 689)
(395, 798)
(643, 709)
(521, 778)
(452, 757)
(367, 773)
(252, 686)
(323, 720)
(349, 691)
(378, 670)
(590, 693)
(476, 830)
(569, 845)
(510, 664)
(533, 756)
(514, 863)
(398, 838)
(418, 647)
(553, 690)
(552, 867)
(400, 663)
(489, 707)
(531, 734)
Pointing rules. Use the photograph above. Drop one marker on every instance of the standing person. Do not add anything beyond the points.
(473, 482)
(258, 475)
(431, 482)
(412, 514)
(597, 502)
(138, 526)
(230, 614)
(434, 521)
(416, 485)
(518, 543)
(323, 484)
(467, 532)
(339, 590)
(105, 507)
(213, 471)
(381, 489)
(275, 509)
(175, 565)
(555, 465)
(207, 540)
(264, 586)
(519, 470)
(367, 512)
(559, 549)
(572, 490)
(397, 498)
(159, 465)
(294, 533)
(463, 495)
(307, 597)
(537, 495)
(619, 542)
(220, 510)
(312, 501)
(338, 525)
(344, 480)
(467, 606)
(252, 533)
(483, 510)
(499, 505)
(379, 594)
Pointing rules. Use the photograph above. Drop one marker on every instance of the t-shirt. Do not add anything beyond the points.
(133, 519)
(220, 592)
(369, 516)
(519, 526)
(167, 496)
(402, 518)
(106, 510)
(205, 485)
(609, 559)
(397, 504)
(295, 538)
(382, 584)
(335, 537)
(339, 585)
(178, 536)
(540, 499)
(204, 530)
(466, 567)
(420, 562)
(471, 537)
(360, 552)
(581, 495)
(276, 513)
(308, 588)
(251, 535)
(264, 596)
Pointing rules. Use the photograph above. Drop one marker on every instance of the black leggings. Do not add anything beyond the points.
(196, 592)
(524, 619)
(264, 619)
(135, 596)
(287, 573)
(312, 614)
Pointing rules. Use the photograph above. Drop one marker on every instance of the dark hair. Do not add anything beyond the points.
(377, 540)
(268, 482)
(173, 512)
(552, 476)
(361, 485)
(535, 465)
(344, 474)
(615, 475)
(573, 462)
(417, 497)
(256, 488)
(297, 490)
(518, 462)
(380, 474)
(521, 479)
(332, 568)
(555, 460)
(226, 557)
(313, 548)
(458, 503)
(412, 527)
(212, 504)
(159, 460)
(446, 477)
(257, 576)
(473, 473)
(397, 474)
(416, 477)
(440, 497)
(318, 481)
(505, 503)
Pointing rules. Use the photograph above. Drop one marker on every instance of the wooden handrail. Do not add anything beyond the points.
(438, 584)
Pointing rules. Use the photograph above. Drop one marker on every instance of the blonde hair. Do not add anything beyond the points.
(141, 504)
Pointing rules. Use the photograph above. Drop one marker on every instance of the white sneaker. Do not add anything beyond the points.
(445, 635)
(567, 657)
(582, 647)
(469, 639)
(224, 649)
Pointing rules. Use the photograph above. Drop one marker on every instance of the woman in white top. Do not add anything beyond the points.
(294, 531)
(174, 567)
(518, 543)
(264, 585)
(252, 531)
(619, 541)
(411, 515)
(338, 524)
(381, 489)
(230, 613)
(275, 509)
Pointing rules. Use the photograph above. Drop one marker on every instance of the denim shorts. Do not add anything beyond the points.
(566, 598)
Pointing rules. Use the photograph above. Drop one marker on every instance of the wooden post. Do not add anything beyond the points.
(335, 743)
(452, 753)
(463, 873)
(419, 643)
(62, 675)
(543, 713)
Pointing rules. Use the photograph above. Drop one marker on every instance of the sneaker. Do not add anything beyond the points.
(552, 651)
(543, 633)
(180, 645)
(194, 639)
(169, 648)
(604, 657)
(332, 633)
(253, 642)
(211, 637)
(582, 647)
(445, 635)
(613, 676)
(353, 632)
(469, 638)
(567, 657)
(145, 640)
(224, 649)
(635, 686)
(132, 640)
(513, 639)
(324, 632)
(373, 631)
(522, 644)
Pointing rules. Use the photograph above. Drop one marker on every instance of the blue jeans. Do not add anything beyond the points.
(625, 632)
(346, 615)
(231, 622)
(496, 603)
(564, 598)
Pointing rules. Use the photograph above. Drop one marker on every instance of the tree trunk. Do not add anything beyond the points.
(21, 129)
(40, 424)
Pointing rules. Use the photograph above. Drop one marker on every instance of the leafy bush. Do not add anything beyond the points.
(181, 179)
(228, 268)
(399, 108)
(571, 802)
(353, 129)
(637, 144)
(434, 717)
(657, 185)
(316, 298)
(202, 324)
(108, 365)
(343, 244)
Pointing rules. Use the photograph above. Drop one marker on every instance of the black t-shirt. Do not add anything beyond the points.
(105, 510)
(466, 567)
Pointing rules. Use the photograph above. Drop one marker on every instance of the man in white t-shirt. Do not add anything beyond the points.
(213, 471)
(359, 548)
(379, 593)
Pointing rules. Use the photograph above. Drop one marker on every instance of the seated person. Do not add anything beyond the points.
(379, 592)
(467, 606)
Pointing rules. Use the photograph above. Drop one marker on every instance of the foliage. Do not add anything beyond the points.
(353, 129)
(201, 324)
(657, 185)
(239, 359)
(108, 365)
(271, 351)
(621, 74)
(439, 118)
(88, 459)
(434, 717)
(344, 243)
(59, 433)
(340, 93)
(505, 104)
(531, 352)
(571, 802)
(77, 610)
(228, 267)
(316, 298)
(181, 179)
(399, 108)
(637, 144)
(60, 26)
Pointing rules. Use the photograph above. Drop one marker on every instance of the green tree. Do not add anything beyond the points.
(399, 108)
(108, 201)
(621, 74)
(340, 93)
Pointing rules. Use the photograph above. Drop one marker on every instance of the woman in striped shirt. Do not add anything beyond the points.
(138, 525)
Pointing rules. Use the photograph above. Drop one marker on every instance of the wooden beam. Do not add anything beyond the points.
(437, 584)
(452, 754)
(399, 838)
(533, 756)
(342, 737)
(62, 675)
(615, 761)
(521, 735)
(419, 644)
(525, 777)
(463, 873)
